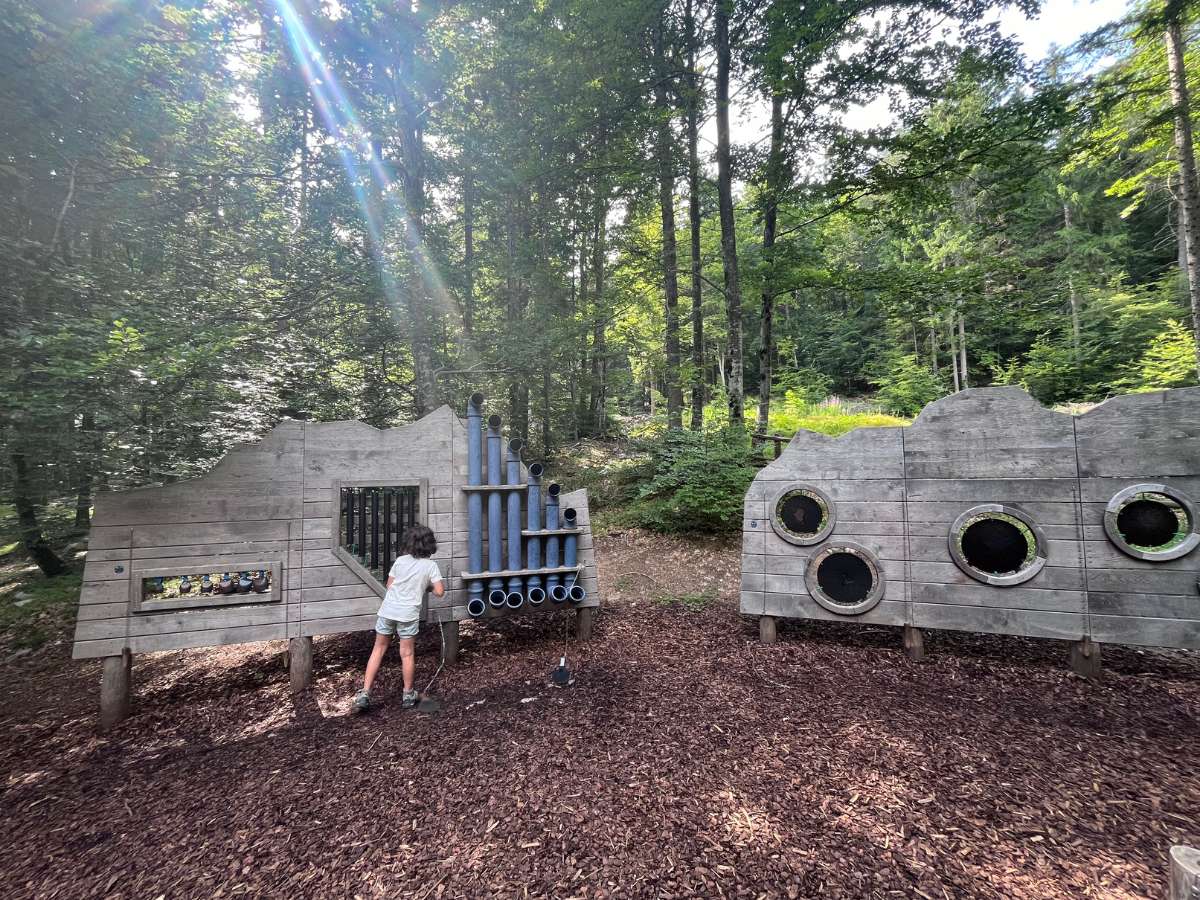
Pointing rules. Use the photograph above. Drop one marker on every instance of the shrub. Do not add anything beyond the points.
(1169, 362)
(906, 385)
(694, 482)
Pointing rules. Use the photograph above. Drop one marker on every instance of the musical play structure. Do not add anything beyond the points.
(989, 513)
(293, 536)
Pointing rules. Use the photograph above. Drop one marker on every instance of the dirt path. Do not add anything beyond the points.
(686, 760)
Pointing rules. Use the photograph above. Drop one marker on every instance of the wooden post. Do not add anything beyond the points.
(583, 622)
(115, 683)
(300, 655)
(1085, 658)
(914, 643)
(766, 629)
(1185, 873)
(450, 639)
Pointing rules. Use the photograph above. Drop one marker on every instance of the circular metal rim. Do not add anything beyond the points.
(1113, 509)
(818, 593)
(1039, 560)
(816, 537)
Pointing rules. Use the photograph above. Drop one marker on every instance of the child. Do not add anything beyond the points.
(400, 614)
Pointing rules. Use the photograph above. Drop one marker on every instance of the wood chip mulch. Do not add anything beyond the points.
(685, 760)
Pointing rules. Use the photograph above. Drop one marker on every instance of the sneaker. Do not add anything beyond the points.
(409, 700)
(362, 701)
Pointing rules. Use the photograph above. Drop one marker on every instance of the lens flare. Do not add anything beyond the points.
(348, 132)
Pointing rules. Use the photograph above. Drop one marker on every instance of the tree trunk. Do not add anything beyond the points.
(666, 200)
(599, 399)
(412, 148)
(733, 290)
(35, 542)
(962, 349)
(770, 218)
(953, 352)
(693, 138)
(1189, 191)
(85, 463)
(469, 253)
(1074, 299)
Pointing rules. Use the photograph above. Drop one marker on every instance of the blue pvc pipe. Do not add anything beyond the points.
(574, 590)
(533, 545)
(495, 545)
(515, 595)
(552, 581)
(475, 501)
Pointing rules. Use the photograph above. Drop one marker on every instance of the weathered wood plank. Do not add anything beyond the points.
(886, 612)
(214, 638)
(1008, 597)
(1050, 578)
(1158, 606)
(1146, 632)
(999, 620)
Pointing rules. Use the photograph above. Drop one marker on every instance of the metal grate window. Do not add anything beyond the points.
(372, 523)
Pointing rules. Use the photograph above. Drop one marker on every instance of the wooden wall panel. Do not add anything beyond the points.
(862, 474)
(995, 445)
(1141, 438)
(272, 502)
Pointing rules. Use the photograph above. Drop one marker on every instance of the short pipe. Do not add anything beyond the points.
(476, 607)
(535, 595)
(513, 473)
(570, 543)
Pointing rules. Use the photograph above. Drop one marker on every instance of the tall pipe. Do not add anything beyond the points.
(533, 546)
(496, 596)
(515, 596)
(552, 581)
(475, 605)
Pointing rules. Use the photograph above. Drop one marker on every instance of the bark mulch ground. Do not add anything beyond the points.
(685, 760)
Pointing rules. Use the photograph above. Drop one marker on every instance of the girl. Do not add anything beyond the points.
(411, 576)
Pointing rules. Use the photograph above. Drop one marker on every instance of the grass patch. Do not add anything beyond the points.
(35, 609)
(688, 602)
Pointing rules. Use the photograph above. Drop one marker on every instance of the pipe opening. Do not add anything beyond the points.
(514, 600)
(476, 607)
(554, 489)
(577, 594)
(494, 422)
(569, 516)
(558, 593)
(536, 596)
(496, 597)
(536, 470)
(476, 400)
(515, 445)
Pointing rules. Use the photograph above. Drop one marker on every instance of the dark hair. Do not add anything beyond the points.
(419, 542)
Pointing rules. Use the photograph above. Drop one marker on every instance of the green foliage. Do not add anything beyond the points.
(791, 412)
(1169, 361)
(906, 385)
(694, 483)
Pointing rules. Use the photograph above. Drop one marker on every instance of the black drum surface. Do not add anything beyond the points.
(800, 514)
(845, 578)
(1147, 523)
(995, 546)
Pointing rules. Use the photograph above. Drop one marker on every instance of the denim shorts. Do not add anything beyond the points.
(384, 625)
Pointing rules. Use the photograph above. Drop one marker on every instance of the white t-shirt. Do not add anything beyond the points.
(411, 578)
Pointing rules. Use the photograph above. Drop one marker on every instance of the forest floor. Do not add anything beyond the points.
(686, 759)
